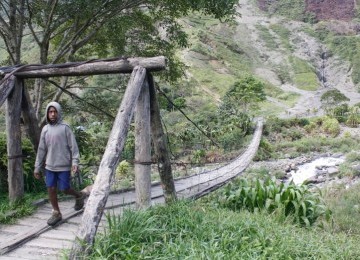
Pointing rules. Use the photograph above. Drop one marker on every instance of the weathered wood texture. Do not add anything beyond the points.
(6, 87)
(160, 145)
(38, 228)
(96, 203)
(122, 65)
(143, 149)
(14, 151)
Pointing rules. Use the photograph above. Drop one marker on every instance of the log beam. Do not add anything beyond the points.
(121, 65)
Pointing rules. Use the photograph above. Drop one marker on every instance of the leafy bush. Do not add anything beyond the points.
(334, 99)
(123, 168)
(275, 124)
(331, 126)
(264, 151)
(296, 201)
(198, 156)
(340, 112)
(353, 117)
(310, 127)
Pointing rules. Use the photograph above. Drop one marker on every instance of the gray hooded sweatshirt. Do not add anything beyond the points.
(57, 147)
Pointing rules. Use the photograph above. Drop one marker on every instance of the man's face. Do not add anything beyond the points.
(52, 115)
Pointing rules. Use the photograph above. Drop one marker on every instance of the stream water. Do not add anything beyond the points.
(308, 170)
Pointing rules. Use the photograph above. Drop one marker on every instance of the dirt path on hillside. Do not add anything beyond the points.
(336, 73)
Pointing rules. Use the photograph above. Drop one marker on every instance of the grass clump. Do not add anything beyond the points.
(304, 75)
(11, 211)
(268, 38)
(345, 206)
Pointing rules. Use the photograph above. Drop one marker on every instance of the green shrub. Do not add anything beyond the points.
(340, 112)
(331, 126)
(294, 134)
(198, 156)
(123, 168)
(310, 127)
(265, 150)
(353, 117)
(353, 157)
(296, 201)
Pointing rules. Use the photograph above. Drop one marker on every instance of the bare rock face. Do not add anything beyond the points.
(323, 9)
(332, 9)
(264, 4)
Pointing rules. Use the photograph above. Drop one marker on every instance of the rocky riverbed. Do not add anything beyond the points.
(325, 169)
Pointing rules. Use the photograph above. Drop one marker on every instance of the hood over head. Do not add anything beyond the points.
(57, 106)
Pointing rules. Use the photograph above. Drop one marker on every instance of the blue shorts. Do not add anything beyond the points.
(61, 180)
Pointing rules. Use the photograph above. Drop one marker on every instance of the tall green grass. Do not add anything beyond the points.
(197, 230)
(345, 205)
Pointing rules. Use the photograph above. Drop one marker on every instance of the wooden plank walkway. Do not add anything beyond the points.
(32, 238)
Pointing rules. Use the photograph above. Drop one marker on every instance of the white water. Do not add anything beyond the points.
(308, 170)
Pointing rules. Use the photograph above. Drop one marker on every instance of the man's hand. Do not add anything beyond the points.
(74, 169)
(37, 175)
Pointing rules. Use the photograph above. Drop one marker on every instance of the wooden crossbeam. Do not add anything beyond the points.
(95, 67)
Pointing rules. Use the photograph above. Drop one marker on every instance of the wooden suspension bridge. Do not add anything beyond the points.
(32, 238)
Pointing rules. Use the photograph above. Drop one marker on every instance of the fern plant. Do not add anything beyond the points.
(292, 200)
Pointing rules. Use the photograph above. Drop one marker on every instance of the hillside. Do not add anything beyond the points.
(297, 62)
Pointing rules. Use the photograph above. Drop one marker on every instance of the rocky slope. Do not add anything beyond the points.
(323, 9)
(332, 72)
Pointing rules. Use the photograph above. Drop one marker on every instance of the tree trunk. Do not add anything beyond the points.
(160, 146)
(143, 149)
(30, 120)
(15, 171)
(96, 203)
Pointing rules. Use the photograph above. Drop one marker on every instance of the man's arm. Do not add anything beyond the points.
(40, 155)
(75, 155)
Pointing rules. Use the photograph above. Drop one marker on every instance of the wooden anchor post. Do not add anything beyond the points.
(143, 149)
(98, 197)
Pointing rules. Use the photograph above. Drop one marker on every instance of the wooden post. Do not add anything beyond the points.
(143, 149)
(14, 151)
(160, 146)
(97, 200)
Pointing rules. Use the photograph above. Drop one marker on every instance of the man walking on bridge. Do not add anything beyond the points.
(59, 151)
